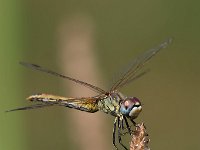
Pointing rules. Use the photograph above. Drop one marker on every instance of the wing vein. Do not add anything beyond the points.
(138, 63)
(37, 67)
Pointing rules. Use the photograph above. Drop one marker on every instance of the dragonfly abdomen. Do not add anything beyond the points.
(88, 104)
(46, 98)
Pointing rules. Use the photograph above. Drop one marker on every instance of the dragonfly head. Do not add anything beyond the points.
(131, 107)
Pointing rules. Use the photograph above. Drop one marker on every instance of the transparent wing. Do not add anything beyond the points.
(137, 64)
(88, 104)
(36, 67)
(30, 107)
(135, 77)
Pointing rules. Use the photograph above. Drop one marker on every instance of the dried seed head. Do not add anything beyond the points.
(140, 138)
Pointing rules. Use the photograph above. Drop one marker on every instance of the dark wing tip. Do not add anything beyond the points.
(30, 107)
(23, 108)
(28, 64)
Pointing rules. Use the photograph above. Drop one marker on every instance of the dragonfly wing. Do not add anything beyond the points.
(36, 67)
(137, 64)
(135, 77)
(30, 107)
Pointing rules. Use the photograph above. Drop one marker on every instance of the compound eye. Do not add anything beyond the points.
(136, 102)
(131, 107)
(126, 106)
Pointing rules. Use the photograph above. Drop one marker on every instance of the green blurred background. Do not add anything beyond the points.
(123, 29)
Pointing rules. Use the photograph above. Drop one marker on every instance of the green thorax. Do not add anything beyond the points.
(110, 104)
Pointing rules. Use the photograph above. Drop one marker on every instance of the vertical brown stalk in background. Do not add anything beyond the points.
(78, 60)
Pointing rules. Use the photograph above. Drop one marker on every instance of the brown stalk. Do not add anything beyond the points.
(140, 138)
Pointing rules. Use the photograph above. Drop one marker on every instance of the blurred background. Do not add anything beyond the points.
(92, 41)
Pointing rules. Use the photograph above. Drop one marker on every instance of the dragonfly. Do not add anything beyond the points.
(110, 101)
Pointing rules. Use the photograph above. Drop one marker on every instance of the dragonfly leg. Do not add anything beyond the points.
(114, 132)
(133, 122)
(122, 123)
(119, 134)
(127, 125)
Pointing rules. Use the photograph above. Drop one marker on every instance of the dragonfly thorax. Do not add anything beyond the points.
(110, 104)
(131, 107)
